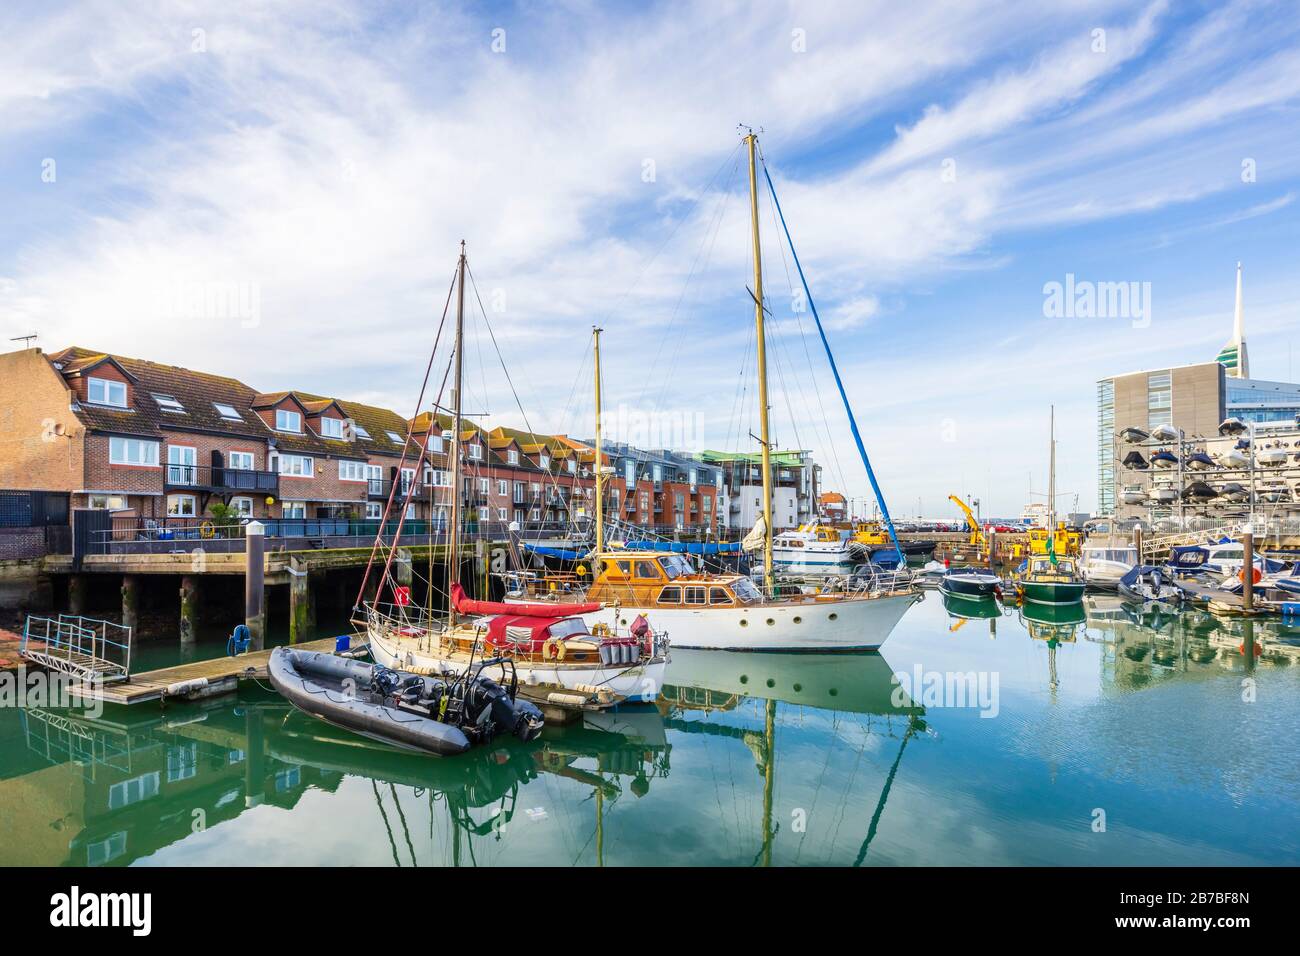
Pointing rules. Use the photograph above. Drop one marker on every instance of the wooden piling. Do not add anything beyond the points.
(1248, 571)
(77, 584)
(302, 613)
(131, 602)
(189, 610)
(255, 583)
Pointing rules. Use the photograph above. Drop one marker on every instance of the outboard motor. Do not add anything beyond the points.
(492, 705)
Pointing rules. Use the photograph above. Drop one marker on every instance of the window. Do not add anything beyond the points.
(535, 489)
(519, 516)
(670, 595)
(294, 509)
(719, 596)
(439, 479)
(352, 470)
(658, 473)
(297, 466)
(484, 513)
(434, 443)
(707, 502)
(103, 391)
(573, 467)
(695, 596)
(331, 427)
(127, 792)
(287, 421)
(483, 485)
(629, 473)
(132, 451)
(533, 515)
(395, 438)
(407, 479)
(227, 412)
(476, 452)
(180, 465)
(501, 514)
(109, 848)
(360, 431)
(241, 460)
(544, 461)
(647, 569)
(110, 502)
(182, 762)
(512, 457)
(519, 490)
(180, 506)
(374, 510)
(168, 403)
(242, 507)
(503, 487)
(410, 510)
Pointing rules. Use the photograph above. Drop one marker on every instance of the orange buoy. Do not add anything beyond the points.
(1254, 576)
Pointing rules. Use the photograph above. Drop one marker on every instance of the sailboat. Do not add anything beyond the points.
(709, 611)
(1049, 578)
(557, 659)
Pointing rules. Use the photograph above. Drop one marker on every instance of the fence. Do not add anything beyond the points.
(34, 524)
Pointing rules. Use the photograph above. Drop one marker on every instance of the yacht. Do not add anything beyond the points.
(817, 549)
(1102, 565)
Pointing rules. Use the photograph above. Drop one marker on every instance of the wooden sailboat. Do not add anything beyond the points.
(1050, 577)
(727, 611)
(559, 660)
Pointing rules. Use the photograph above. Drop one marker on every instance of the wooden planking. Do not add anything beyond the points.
(222, 674)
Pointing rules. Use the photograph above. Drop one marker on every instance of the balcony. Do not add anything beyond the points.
(378, 488)
(221, 480)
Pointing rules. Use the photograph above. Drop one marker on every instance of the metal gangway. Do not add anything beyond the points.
(86, 648)
(1160, 545)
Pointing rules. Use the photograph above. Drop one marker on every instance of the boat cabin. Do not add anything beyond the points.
(1042, 569)
(666, 580)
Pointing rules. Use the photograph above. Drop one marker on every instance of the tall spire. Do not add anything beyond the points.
(1233, 355)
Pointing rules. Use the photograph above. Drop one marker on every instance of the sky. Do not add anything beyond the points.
(277, 192)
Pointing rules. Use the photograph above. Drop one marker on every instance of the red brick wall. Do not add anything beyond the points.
(34, 400)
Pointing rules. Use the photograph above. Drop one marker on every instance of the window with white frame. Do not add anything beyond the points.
(242, 507)
(181, 506)
(360, 431)
(297, 466)
(352, 470)
(410, 510)
(439, 478)
(168, 403)
(109, 502)
(544, 461)
(331, 427)
(288, 421)
(573, 466)
(484, 513)
(434, 443)
(483, 485)
(408, 479)
(501, 514)
(126, 792)
(374, 510)
(503, 487)
(132, 451)
(374, 473)
(240, 460)
(228, 412)
(533, 514)
(476, 452)
(294, 509)
(105, 391)
(512, 457)
(182, 761)
(629, 473)
(396, 439)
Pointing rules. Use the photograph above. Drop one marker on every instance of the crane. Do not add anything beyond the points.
(976, 535)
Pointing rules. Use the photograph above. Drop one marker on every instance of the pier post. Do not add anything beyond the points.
(302, 610)
(1248, 571)
(131, 602)
(254, 758)
(189, 610)
(992, 538)
(77, 594)
(1137, 541)
(255, 583)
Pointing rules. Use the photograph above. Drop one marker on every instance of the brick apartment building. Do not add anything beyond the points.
(163, 443)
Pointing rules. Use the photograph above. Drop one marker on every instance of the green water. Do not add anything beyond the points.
(747, 760)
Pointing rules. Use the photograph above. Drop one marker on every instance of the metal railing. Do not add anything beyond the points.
(221, 479)
(78, 646)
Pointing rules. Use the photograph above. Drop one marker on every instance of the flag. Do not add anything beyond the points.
(402, 595)
(1051, 548)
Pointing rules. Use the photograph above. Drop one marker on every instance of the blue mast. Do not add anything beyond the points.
(853, 422)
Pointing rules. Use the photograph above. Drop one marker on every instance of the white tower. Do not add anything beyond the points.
(1233, 356)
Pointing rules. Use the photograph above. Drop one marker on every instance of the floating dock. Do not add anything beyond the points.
(192, 681)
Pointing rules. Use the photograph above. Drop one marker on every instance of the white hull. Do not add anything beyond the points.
(843, 625)
(638, 684)
(1103, 574)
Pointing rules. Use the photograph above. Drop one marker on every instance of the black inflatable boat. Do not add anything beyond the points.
(403, 710)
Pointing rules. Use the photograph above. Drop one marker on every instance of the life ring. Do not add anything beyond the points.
(553, 650)
(207, 530)
(1254, 576)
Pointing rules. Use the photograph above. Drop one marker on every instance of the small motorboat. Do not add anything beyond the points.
(1199, 461)
(1187, 559)
(1164, 458)
(1046, 579)
(1133, 495)
(1271, 457)
(1104, 565)
(1233, 491)
(1199, 491)
(1164, 433)
(1149, 584)
(408, 711)
(1234, 458)
(1134, 436)
(1233, 426)
(1135, 460)
(931, 574)
(1164, 494)
(973, 583)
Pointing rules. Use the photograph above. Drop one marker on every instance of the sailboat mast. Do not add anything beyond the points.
(453, 549)
(600, 478)
(1051, 480)
(768, 582)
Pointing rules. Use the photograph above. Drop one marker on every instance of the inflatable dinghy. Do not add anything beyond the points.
(404, 710)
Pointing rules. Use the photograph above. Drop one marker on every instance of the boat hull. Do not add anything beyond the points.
(853, 624)
(971, 589)
(1052, 592)
(639, 683)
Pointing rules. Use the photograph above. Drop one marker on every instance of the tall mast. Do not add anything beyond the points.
(453, 549)
(768, 583)
(1051, 480)
(600, 501)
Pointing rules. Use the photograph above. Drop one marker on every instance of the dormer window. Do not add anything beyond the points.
(104, 391)
(476, 452)
(435, 443)
(512, 457)
(287, 421)
(330, 427)
(168, 403)
(573, 467)
(227, 412)
(544, 461)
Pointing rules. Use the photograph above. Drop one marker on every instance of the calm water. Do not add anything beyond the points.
(747, 760)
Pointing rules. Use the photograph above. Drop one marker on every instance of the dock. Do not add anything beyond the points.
(193, 681)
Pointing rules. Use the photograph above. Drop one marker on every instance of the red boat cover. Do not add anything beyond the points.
(465, 605)
(519, 631)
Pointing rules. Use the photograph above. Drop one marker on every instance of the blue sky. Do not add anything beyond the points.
(938, 165)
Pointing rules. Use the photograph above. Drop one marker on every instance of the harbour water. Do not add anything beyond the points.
(1125, 739)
